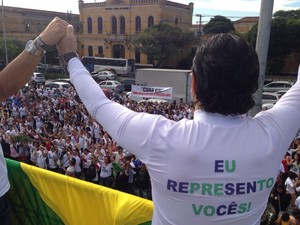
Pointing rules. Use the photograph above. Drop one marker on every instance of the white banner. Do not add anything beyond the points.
(152, 92)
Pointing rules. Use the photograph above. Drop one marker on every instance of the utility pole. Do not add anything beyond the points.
(200, 23)
(4, 34)
(262, 46)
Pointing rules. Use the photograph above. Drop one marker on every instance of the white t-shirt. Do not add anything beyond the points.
(106, 170)
(289, 185)
(71, 170)
(4, 182)
(297, 202)
(214, 169)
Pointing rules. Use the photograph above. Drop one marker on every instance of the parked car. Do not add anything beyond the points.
(105, 75)
(281, 93)
(112, 84)
(107, 69)
(58, 85)
(267, 106)
(66, 80)
(269, 97)
(37, 78)
(277, 86)
(127, 83)
(41, 67)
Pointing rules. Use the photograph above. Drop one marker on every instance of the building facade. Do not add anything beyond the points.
(25, 24)
(109, 26)
(245, 24)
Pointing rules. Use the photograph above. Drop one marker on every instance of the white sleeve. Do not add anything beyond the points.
(298, 78)
(284, 117)
(129, 129)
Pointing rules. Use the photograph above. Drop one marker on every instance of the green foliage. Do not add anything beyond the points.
(14, 47)
(288, 15)
(293, 34)
(52, 56)
(22, 138)
(187, 62)
(161, 42)
(218, 24)
(251, 35)
(284, 38)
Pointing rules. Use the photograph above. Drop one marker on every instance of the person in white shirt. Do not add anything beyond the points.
(70, 170)
(12, 78)
(218, 168)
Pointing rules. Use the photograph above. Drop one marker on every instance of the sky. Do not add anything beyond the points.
(233, 9)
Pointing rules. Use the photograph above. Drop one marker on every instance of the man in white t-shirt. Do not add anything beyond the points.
(218, 168)
(12, 78)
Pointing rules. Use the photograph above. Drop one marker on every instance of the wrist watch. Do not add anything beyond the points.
(32, 49)
(65, 58)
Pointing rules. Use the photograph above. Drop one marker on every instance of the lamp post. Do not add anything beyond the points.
(262, 46)
(4, 34)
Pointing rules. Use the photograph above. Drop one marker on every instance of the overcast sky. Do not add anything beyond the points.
(233, 9)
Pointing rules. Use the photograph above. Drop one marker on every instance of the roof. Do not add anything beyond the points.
(249, 19)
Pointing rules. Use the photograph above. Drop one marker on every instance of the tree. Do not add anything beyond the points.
(161, 42)
(291, 14)
(218, 24)
(187, 62)
(14, 48)
(284, 39)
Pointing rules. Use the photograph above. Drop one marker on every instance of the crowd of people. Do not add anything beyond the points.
(217, 168)
(51, 129)
(284, 201)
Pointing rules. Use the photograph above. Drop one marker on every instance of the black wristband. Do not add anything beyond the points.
(65, 58)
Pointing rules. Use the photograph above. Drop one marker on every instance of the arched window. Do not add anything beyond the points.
(114, 25)
(90, 51)
(27, 26)
(90, 25)
(100, 25)
(122, 25)
(138, 24)
(137, 56)
(150, 21)
(39, 26)
(176, 21)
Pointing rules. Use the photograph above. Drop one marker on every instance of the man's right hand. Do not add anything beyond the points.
(68, 43)
(55, 30)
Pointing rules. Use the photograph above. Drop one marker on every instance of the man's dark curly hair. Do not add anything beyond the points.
(226, 71)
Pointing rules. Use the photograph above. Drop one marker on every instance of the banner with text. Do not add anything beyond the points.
(152, 92)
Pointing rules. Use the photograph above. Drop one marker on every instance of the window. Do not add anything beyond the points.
(27, 26)
(39, 26)
(122, 25)
(137, 56)
(90, 50)
(138, 24)
(150, 21)
(100, 51)
(176, 21)
(114, 25)
(100, 25)
(90, 25)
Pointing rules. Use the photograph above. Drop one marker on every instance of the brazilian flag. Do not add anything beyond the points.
(42, 197)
